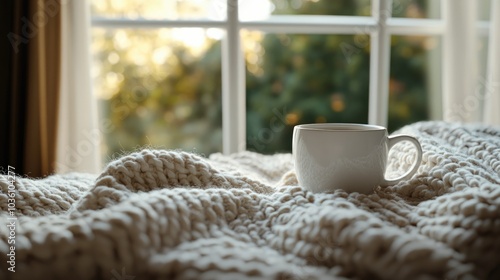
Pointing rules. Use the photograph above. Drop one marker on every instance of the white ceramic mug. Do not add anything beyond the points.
(351, 157)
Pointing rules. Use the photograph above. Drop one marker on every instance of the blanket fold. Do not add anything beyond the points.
(158, 214)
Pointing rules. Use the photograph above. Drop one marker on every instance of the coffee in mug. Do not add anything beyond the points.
(352, 157)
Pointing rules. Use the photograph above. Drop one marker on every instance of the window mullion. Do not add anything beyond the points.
(310, 24)
(233, 85)
(411, 26)
(379, 64)
(154, 23)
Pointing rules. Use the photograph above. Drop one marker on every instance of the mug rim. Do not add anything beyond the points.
(353, 127)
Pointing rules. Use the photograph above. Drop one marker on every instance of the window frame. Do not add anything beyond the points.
(380, 26)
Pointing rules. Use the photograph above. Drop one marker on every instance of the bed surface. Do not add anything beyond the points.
(159, 214)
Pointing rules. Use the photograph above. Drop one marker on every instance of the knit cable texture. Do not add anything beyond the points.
(158, 214)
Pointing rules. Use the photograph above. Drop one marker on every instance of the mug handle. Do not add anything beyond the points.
(393, 140)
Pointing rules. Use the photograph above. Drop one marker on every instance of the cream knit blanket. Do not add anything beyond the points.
(159, 214)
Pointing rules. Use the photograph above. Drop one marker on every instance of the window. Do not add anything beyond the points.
(226, 75)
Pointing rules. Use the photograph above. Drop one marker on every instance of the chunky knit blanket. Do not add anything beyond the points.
(159, 214)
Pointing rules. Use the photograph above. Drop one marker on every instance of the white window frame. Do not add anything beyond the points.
(380, 26)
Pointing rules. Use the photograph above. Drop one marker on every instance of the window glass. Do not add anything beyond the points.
(416, 9)
(322, 7)
(484, 10)
(302, 78)
(415, 80)
(262, 9)
(159, 87)
(160, 9)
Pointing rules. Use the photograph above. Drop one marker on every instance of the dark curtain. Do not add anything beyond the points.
(29, 79)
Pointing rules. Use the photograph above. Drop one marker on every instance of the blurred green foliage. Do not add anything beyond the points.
(325, 78)
(173, 100)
